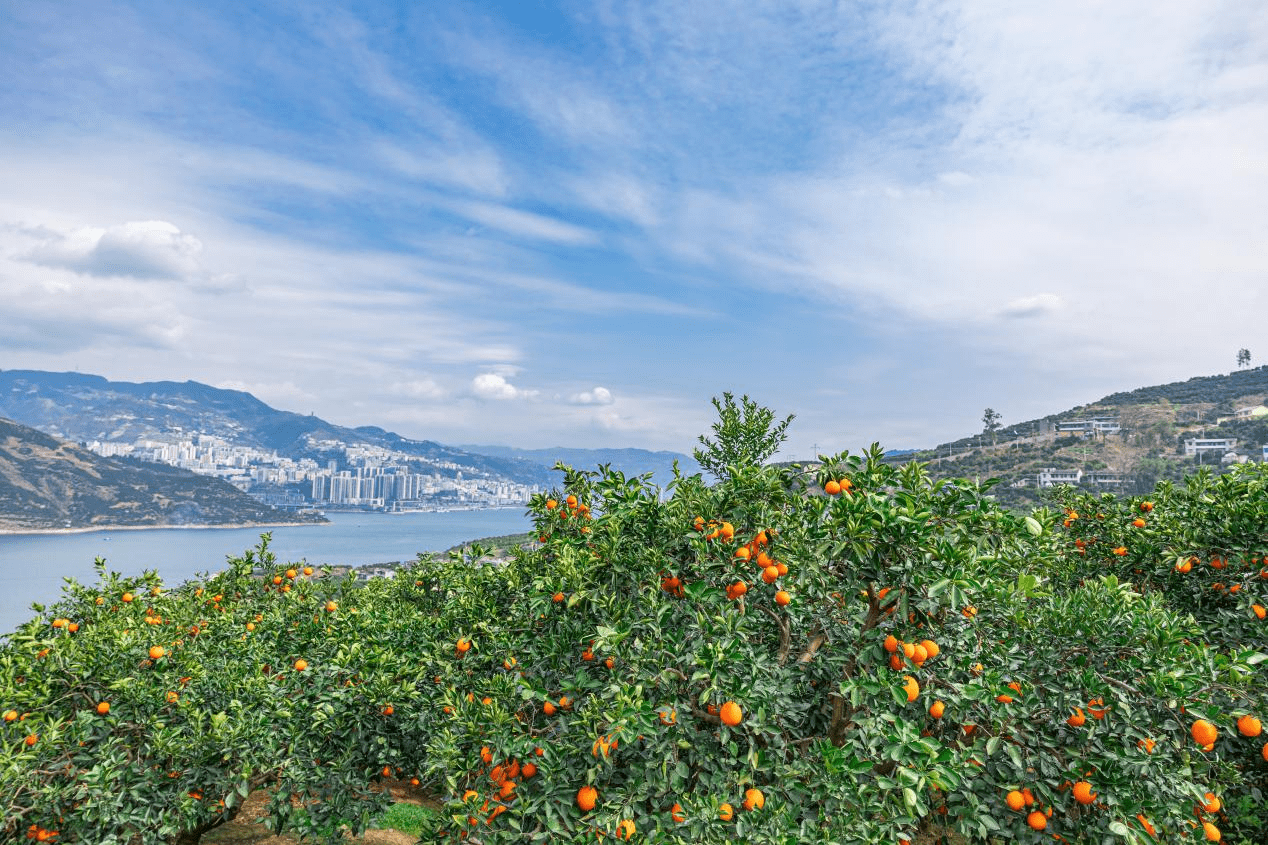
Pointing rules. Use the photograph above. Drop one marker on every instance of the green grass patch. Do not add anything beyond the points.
(407, 818)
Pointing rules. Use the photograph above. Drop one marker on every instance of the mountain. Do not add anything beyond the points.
(47, 483)
(1140, 439)
(629, 461)
(85, 408)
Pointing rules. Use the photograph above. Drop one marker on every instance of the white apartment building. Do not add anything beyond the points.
(1052, 476)
(1194, 445)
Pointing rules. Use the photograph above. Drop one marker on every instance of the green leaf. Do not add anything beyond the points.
(1033, 526)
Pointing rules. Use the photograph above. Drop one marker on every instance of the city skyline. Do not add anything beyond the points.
(552, 224)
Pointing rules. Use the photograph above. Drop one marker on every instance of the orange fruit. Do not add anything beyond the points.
(918, 654)
(937, 709)
(308, 570)
(731, 714)
(832, 488)
(781, 568)
(754, 799)
(463, 645)
(770, 574)
(103, 708)
(1248, 725)
(728, 531)
(331, 607)
(1210, 803)
(157, 651)
(1077, 720)
(10, 715)
(548, 708)
(1015, 800)
(586, 796)
(782, 598)
(743, 553)
(969, 611)
(909, 650)
(1037, 820)
(1083, 792)
(625, 829)
(675, 813)
(912, 688)
(388, 710)
(301, 665)
(891, 644)
(1258, 610)
(931, 648)
(726, 812)
(1211, 832)
(528, 770)
(1204, 733)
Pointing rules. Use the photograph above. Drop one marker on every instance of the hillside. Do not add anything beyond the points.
(84, 408)
(1140, 441)
(47, 483)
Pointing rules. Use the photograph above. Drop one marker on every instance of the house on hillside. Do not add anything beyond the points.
(1196, 445)
(1251, 413)
(1106, 478)
(1089, 427)
(1052, 476)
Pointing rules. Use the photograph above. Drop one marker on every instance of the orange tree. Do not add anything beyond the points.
(135, 713)
(853, 654)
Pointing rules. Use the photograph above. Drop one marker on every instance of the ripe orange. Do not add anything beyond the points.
(754, 799)
(331, 607)
(918, 654)
(103, 708)
(770, 574)
(586, 796)
(557, 598)
(1083, 792)
(308, 570)
(728, 531)
(1259, 610)
(625, 829)
(909, 650)
(1211, 832)
(1248, 725)
(301, 665)
(127, 597)
(675, 813)
(389, 710)
(1037, 820)
(1121, 551)
(731, 714)
(548, 708)
(528, 770)
(157, 651)
(912, 688)
(832, 488)
(782, 598)
(1138, 522)
(463, 645)
(10, 715)
(931, 648)
(1204, 733)
(726, 812)
(31, 739)
(969, 611)
(743, 553)
(1015, 800)
(891, 644)
(1210, 803)
(937, 709)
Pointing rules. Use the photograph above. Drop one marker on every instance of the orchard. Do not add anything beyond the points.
(847, 653)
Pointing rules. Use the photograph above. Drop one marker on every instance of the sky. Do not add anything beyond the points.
(572, 224)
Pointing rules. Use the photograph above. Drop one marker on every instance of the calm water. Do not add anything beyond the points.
(32, 566)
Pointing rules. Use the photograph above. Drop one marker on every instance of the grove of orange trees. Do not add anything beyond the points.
(847, 653)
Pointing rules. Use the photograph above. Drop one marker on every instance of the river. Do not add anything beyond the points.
(32, 566)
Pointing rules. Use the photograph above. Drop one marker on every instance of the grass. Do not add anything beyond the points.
(407, 818)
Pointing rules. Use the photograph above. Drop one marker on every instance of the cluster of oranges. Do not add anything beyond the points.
(505, 778)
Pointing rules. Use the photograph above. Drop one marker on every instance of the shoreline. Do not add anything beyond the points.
(31, 532)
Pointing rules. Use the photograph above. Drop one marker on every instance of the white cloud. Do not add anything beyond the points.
(1039, 305)
(524, 223)
(494, 386)
(598, 396)
(422, 388)
(152, 249)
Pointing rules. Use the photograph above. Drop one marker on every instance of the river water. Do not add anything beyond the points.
(32, 566)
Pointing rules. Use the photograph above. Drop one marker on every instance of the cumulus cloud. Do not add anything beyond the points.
(494, 386)
(149, 249)
(598, 396)
(1039, 305)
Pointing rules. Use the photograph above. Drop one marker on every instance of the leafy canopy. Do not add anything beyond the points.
(746, 435)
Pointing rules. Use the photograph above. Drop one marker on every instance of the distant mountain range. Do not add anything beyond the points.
(49, 484)
(629, 461)
(84, 408)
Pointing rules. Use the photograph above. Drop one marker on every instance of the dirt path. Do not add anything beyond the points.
(246, 830)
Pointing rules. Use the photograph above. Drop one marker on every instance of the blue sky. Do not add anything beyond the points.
(573, 223)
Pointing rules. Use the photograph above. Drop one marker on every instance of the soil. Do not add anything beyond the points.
(246, 829)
